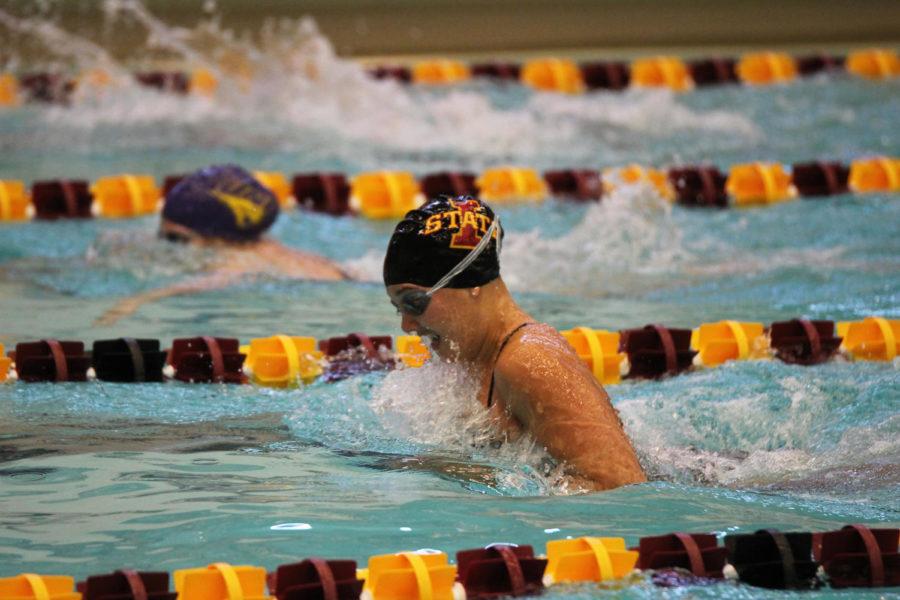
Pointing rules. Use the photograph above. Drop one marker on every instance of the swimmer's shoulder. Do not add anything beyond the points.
(535, 347)
(536, 367)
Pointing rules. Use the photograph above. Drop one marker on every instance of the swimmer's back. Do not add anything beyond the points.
(541, 382)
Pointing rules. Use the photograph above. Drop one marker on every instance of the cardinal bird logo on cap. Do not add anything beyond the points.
(468, 218)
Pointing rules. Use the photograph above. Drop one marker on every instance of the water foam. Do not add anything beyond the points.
(771, 426)
(303, 96)
(436, 406)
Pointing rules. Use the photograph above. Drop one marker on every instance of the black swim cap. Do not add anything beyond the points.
(433, 239)
(222, 201)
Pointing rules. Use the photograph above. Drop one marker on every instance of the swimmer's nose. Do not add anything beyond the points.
(409, 324)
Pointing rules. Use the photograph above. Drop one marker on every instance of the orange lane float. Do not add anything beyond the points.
(873, 338)
(203, 82)
(281, 360)
(661, 71)
(764, 68)
(879, 174)
(410, 576)
(874, 63)
(126, 195)
(553, 75)
(278, 184)
(385, 194)
(29, 586)
(5, 364)
(759, 183)
(719, 342)
(221, 581)
(599, 350)
(9, 90)
(588, 559)
(440, 72)
(634, 174)
(510, 184)
(14, 201)
(411, 350)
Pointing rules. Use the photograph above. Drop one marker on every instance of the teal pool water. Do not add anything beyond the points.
(98, 476)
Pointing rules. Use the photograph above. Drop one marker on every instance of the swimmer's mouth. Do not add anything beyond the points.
(433, 338)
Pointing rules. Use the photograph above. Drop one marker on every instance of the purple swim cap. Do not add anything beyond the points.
(222, 201)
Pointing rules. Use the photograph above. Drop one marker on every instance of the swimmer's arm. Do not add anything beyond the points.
(568, 412)
(295, 263)
(128, 306)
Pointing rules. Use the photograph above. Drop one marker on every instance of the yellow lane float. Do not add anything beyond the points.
(221, 581)
(385, 194)
(409, 576)
(126, 195)
(14, 201)
(439, 72)
(879, 174)
(29, 586)
(633, 174)
(719, 342)
(9, 90)
(765, 68)
(588, 559)
(5, 363)
(203, 82)
(278, 184)
(661, 71)
(873, 338)
(874, 63)
(281, 360)
(411, 350)
(599, 350)
(553, 75)
(510, 184)
(759, 183)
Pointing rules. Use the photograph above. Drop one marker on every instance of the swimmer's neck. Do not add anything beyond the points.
(501, 314)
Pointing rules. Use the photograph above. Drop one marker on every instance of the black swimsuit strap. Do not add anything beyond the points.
(490, 400)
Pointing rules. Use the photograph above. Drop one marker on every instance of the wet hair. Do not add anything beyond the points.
(222, 201)
(433, 239)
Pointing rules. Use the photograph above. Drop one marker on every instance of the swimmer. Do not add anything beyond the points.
(442, 274)
(226, 209)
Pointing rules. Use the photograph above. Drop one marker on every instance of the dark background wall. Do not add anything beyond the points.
(370, 27)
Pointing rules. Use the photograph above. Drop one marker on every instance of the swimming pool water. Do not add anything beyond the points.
(97, 476)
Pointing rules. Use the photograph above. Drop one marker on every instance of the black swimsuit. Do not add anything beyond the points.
(490, 400)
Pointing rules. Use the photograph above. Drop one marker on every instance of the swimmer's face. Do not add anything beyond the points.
(443, 321)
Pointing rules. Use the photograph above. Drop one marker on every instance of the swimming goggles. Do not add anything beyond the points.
(415, 302)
